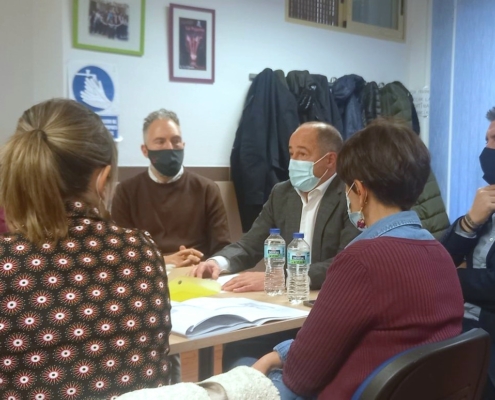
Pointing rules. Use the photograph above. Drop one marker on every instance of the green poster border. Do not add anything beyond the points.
(76, 44)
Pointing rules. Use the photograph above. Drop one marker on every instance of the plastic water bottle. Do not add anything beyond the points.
(298, 262)
(274, 263)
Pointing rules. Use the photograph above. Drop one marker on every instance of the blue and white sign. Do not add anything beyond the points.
(112, 124)
(95, 87)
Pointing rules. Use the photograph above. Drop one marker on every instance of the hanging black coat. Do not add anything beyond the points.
(370, 101)
(314, 100)
(260, 156)
(327, 100)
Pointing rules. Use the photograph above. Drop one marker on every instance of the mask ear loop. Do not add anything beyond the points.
(350, 188)
(361, 223)
(101, 202)
(316, 162)
(321, 158)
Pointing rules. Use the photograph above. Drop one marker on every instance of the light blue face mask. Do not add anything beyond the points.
(356, 217)
(302, 176)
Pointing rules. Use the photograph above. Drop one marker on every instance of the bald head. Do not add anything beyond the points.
(319, 143)
(323, 137)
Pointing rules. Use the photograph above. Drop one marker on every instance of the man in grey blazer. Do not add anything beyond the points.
(312, 201)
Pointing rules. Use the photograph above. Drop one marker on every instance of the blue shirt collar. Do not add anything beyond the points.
(404, 224)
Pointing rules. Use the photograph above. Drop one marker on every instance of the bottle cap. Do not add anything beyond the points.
(298, 235)
(274, 231)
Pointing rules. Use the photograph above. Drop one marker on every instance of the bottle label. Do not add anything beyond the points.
(275, 251)
(298, 257)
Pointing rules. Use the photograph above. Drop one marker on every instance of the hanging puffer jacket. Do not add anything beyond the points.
(431, 209)
(397, 102)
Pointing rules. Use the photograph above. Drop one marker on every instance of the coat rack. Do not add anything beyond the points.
(252, 76)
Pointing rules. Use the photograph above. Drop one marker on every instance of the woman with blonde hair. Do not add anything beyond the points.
(84, 304)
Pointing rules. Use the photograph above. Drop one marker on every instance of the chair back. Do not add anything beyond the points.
(230, 201)
(454, 369)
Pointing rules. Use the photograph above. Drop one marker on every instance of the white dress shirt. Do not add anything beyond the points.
(175, 178)
(310, 209)
(309, 212)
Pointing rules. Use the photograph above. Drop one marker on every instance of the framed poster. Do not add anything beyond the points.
(191, 47)
(110, 26)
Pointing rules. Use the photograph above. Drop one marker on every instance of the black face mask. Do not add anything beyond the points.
(166, 162)
(487, 161)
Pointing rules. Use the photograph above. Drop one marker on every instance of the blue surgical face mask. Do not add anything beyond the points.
(302, 176)
(356, 217)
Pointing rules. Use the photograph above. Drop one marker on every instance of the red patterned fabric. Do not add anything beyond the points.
(87, 318)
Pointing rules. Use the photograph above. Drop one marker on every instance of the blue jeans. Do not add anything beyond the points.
(285, 393)
(236, 353)
(276, 377)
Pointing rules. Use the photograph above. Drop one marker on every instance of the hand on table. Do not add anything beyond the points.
(206, 269)
(483, 204)
(184, 257)
(246, 282)
(268, 362)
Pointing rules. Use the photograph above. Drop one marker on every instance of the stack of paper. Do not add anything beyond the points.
(211, 315)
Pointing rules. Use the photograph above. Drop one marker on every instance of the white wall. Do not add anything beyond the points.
(418, 44)
(250, 35)
(48, 37)
(16, 63)
(31, 57)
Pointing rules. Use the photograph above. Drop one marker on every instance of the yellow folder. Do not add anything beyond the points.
(186, 287)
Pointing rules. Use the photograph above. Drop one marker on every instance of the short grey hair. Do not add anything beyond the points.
(490, 115)
(159, 114)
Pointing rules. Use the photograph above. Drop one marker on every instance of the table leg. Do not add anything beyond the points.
(205, 363)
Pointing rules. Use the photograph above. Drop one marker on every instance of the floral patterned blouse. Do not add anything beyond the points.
(87, 318)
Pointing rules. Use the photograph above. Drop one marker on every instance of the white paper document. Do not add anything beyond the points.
(212, 315)
(223, 279)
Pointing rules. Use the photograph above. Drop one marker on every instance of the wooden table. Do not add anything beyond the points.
(180, 344)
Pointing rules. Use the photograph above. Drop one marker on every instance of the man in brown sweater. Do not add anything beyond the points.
(183, 212)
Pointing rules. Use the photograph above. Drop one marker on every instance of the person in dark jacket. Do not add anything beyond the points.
(470, 243)
(260, 156)
(431, 209)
